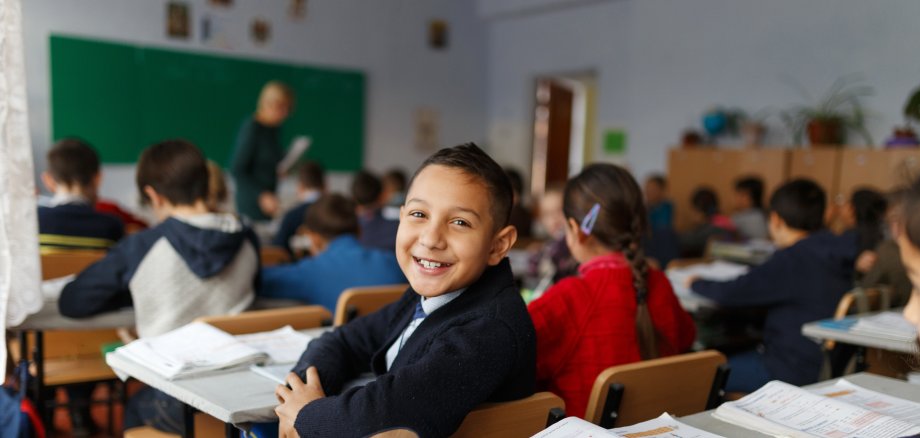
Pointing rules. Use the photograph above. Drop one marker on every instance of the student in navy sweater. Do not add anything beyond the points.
(802, 282)
(311, 184)
(70, 220)
(460, 335)
(378, 223)
(338, 262)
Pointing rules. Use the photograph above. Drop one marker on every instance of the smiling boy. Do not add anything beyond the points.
(458, 337)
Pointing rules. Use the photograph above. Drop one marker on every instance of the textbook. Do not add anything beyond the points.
(840, 410)
(664, 426)
(889, 325)
(200, 348)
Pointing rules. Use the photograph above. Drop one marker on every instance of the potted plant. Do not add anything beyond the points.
(826, 121)
(904, 136)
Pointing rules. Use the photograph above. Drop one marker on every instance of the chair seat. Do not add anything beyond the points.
(63, 371)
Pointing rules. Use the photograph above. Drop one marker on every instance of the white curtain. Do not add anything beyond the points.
(20, 293)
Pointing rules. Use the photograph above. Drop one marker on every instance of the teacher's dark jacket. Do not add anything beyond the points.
(254, 166)
(480, 347)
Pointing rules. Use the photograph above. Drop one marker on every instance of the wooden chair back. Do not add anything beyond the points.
(360, 301)
(273, 255)
(680, 385)
(683, 263)
(254, 321)
(61, 263)
(523, 417)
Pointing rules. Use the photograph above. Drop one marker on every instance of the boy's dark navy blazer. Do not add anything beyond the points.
(479, 347)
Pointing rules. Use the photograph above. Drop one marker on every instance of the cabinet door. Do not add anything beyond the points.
(820, 165)
(881, 170)
(770, 165)
(689, 169)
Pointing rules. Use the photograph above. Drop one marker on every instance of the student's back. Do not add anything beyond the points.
(378, 224)
(70, 221)
(617, 310)
(339, 261)
(802, 282)
(192, 264)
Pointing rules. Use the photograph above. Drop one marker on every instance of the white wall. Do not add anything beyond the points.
(661, 63)
(385, 39)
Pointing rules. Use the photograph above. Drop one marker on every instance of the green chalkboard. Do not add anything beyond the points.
(122, 98)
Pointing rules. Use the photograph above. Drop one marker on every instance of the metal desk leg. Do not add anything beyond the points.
(38, 356)
(188, 414)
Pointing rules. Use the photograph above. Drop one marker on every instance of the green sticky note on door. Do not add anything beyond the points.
(615, 141)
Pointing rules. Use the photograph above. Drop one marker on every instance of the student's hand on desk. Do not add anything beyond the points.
(689, 281)
(866, 261)
(268, 203)
(293, 399)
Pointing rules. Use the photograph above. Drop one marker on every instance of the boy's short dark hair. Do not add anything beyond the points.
(312, 175)
(473, 161)
(800, 204)
(753, 186)
(705, 201)
(72, 161)
(176, 169)
(396, 178)
(366, 188)
(332, 215)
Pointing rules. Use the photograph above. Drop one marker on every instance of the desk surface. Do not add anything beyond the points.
(887, 385)
(835, 332)
(236, 397)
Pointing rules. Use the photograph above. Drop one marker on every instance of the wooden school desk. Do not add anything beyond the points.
(234, 397)
(50, 319)
(886, 385)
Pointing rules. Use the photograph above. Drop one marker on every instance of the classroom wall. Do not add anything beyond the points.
(660, 64)
(387, 40)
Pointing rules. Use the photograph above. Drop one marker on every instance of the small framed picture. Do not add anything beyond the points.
(437, 34)
(297, 9)
(260, 31)
(177, 20)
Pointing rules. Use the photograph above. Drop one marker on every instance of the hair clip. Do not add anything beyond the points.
(587, 224)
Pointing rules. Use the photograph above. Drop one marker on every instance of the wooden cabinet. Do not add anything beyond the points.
(838, 171)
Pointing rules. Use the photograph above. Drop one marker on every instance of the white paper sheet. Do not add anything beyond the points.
(284, 345)
(888, 324)
(298, 146)
(870, 400)
(574, 427)
(781, 409)
(664, 426)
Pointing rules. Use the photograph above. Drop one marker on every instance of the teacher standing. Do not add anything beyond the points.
(258, 151)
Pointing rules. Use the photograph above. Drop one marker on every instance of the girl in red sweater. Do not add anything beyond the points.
(617, 310)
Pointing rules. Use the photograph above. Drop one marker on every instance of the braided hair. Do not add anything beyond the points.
(621, 223)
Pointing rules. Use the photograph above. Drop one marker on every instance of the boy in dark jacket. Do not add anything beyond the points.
(458, 337)
(802, 282)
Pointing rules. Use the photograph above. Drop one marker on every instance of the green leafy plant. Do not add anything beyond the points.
(912, 107)
(840, 107)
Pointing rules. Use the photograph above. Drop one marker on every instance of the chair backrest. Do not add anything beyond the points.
(523, 417)
(61, 263)
(360, 301)
(861, 300)
(71, 344)
(273, 255)
(680, 385)
(254, 321)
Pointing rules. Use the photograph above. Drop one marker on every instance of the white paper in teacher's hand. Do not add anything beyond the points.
(298, 147)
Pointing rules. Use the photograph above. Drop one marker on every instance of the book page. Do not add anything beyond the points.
(284, 345)
(196, 347)
(664, 426)
(870, 400)
(717, 271)
(888, 324)
(784, 410)
(574, 427)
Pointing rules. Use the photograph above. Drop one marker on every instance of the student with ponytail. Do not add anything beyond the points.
(617, 309)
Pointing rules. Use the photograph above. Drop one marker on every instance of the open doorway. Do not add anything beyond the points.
(563, 127)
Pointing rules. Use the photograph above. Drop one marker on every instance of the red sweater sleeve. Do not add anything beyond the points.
(669, 317)
(556, 322)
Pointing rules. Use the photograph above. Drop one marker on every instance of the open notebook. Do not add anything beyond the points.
(840, 410)
(199, 348)
(664, 426)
